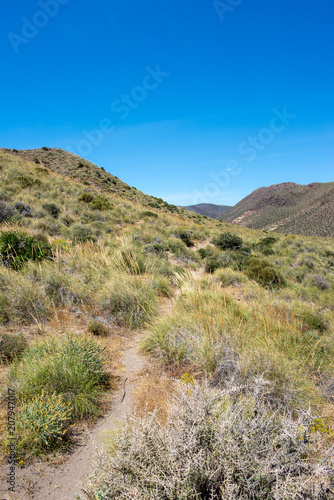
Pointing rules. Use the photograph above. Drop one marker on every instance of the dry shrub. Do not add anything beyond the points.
(215, 445)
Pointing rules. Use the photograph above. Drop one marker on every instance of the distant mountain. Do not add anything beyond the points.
(287, 208)
(208, 209)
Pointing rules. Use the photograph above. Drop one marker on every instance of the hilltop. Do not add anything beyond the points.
(287, 208)
(208, 209)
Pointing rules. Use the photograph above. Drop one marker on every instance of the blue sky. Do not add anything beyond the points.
(199, 102)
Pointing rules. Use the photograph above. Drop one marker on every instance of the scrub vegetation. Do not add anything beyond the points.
(245, 346)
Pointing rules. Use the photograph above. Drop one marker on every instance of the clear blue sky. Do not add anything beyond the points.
(180, 95)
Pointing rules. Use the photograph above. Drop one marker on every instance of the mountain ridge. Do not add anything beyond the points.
(287, 207)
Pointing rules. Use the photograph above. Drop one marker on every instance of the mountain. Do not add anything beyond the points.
(208, 209)
(287, 208)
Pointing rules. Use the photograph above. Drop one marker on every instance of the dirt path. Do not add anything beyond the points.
(42, 481)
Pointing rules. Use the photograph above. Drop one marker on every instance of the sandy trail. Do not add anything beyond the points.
(41, 480)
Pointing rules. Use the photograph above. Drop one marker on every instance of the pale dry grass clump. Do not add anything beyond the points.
(152, 392)
(215, 446)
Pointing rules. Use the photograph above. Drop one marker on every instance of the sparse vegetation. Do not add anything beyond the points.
(250, 312)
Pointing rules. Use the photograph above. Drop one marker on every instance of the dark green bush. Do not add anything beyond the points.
(11, 347)
(52, 209)
(264, 273)
(147, 213)
(269, 240)
(228, 241)
(205, 252)
(86, 197)
(265, 249)
(45, 148)
(185, 237)
(18, 248)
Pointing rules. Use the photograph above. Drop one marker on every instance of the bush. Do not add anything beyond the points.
(42, 423)
(52, 209)
(228, 241)
(185, 237)
(213, 446)
(21, 301)
(97, 328)
(96, 201)
(6, 212)
(12, 347)
(229, 277)
(100, 202)
(130, 302)
(264, 273)
(18, 248)
(86, 197)
(147, 213)
(70, 365)
(314, 320)
(321, 282)
(81, 234)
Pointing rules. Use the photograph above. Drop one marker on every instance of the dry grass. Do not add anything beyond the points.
(152, 393)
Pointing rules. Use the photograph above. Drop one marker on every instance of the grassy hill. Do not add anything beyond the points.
(209, 209)
(288, 208)
(239, 322)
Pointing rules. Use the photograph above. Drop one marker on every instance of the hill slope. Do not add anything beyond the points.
(287, 208)
(208, 209)
(74, 167)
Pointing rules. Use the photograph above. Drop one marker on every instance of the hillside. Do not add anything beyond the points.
(287, 208)
(208, 209)
(197, 353)
(90, 175)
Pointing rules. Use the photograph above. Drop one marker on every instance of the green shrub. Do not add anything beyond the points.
(81, 234)
(42, 423)
(96, 201)
(100, 202)
(97, 328)
(130, 302)
(264, 273)
(147, 213)
(206, 252)
(52, 209)
(185, 237)
(27, 181)
(269, 240)
(12, 347)
(228, 241)
(70, 365)
(18, 248)
(86, 197)
(314, 320)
